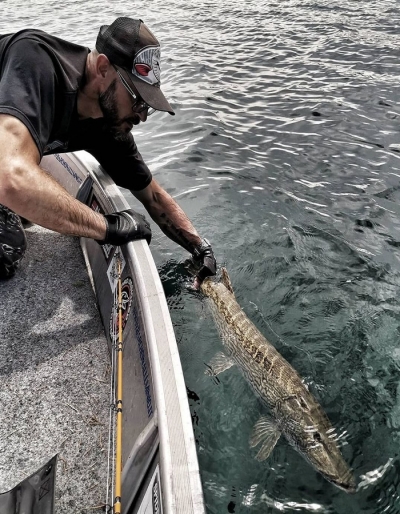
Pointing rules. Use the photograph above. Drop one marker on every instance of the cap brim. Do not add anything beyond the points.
(152, 95)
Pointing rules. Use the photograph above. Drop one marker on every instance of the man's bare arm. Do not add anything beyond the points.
(169, 216)
(32, 193)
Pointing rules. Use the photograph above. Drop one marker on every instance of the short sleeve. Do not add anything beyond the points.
(120, 159)
(28, 88)
(126, 168)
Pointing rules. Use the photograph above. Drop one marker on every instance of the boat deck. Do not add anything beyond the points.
(54, 374)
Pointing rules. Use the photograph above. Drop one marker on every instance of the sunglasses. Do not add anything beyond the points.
(139, 104)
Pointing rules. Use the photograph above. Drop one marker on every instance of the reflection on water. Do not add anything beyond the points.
(285, 154)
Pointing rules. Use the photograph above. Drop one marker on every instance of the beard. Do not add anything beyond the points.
(112, 122)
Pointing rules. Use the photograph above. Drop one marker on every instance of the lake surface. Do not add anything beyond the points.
(285, 153)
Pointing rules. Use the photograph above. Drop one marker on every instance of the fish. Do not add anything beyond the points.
(293, 410)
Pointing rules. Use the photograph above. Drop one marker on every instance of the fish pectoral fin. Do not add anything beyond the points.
(267, 433)
(219, 363)
(226, 280)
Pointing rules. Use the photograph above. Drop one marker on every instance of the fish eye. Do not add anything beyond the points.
(303, 403)
(317, 437)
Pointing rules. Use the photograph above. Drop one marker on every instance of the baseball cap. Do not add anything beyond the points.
(128, 43)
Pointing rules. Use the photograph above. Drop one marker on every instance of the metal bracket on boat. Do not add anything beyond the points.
(35, 494)
(84, 190)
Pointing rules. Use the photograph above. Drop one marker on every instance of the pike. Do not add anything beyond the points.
(295, 413)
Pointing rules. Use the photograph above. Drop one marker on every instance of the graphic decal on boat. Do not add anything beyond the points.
(112, 271)
(145, 371)
(34, 495)
(151, 503)
(156, 495)
(64, 163)
(127, 296)
(44, 489)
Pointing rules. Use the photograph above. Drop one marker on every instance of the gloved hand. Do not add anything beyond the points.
(204, 256)
(125, 226)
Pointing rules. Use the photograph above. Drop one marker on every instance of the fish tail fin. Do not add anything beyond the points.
(226, 280)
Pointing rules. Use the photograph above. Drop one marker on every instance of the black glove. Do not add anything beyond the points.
(204, 255)
(125, 226)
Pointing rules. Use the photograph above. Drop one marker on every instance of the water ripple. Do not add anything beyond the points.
(285, 153)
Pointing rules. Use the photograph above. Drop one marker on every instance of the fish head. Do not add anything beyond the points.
(323, 453)
(319, 446)
(311, 433)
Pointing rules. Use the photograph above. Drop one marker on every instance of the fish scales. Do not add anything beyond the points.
(254, 350)
(295, 411)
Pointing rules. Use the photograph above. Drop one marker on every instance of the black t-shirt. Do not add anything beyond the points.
(39, 79)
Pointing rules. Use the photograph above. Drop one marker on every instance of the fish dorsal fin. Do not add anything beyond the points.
(226, 280)
(267, 433)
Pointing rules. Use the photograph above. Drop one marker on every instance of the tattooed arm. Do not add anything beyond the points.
(177, 226)
(169, 216)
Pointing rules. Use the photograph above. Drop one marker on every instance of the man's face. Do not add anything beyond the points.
(116, 106)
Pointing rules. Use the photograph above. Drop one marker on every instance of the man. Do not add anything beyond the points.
(56, 97)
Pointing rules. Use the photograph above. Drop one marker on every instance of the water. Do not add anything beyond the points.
(285, 153)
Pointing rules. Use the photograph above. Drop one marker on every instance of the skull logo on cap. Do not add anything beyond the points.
(146, 65)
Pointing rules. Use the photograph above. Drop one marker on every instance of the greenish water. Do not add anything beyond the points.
(285, 154)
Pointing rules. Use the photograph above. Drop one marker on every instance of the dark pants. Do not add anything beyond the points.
(12, 242)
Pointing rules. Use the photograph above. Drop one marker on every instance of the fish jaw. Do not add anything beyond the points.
(322, 452)
(349, 486)
(338, 473)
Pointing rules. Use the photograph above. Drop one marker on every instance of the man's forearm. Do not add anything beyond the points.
(173, 222)
(32, 193)
(177, 226)
(180, 230)
(36, 196)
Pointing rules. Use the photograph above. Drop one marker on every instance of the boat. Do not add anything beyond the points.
(157, 462)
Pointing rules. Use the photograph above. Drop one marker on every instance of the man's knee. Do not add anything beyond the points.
(12, 242)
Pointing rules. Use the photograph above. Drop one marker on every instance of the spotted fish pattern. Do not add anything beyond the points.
(293, 410)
